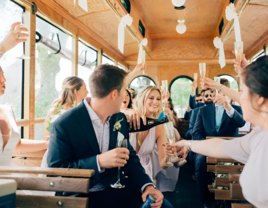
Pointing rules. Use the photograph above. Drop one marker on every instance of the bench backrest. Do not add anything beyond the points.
(30, 159)
(71, 180)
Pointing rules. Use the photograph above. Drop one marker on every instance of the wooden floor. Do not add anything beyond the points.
(185, 194)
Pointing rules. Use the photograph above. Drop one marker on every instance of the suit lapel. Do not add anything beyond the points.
(224, 116)
(113, 134)
(213, 112)
(86, 124)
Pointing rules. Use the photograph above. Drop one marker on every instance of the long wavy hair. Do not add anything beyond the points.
(141, 98)
(69, 84)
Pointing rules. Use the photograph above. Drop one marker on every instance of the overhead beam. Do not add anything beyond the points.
(119, 10)
(257, 46)
(179, 62)
(240, 6)
(51, 11)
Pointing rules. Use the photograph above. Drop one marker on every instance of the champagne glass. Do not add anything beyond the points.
(23, 25)
(143, 60)
(172, 139)
(195, 76)
(167, 129)
(217, 79)
(120, 143)
(239, 51)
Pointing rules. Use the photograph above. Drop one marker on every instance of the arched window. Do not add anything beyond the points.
(233, 82)
(180, 88)
(141, 81)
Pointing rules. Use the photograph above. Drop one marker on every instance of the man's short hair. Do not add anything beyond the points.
(225, 82)
(198, 95)
(202, 92)
(106, 78)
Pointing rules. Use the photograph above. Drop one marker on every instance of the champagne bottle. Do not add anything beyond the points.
(150, 123)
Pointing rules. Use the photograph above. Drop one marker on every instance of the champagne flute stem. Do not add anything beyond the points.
(118, 174)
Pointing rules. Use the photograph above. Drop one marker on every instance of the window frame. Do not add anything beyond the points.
(231, 77)
(178, 77)
(142, 76)
(106, 56)
(127, 2)
(91, 48)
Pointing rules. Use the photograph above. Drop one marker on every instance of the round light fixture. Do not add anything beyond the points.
(181, 27)
(178, 3)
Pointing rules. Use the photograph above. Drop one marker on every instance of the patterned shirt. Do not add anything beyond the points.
(102, 132)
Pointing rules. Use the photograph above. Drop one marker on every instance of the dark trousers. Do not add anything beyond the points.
(118, 198)
(203, 178)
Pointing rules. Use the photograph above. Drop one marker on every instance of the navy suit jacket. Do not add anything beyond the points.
(187, 115)
(189, 133)
(73, 144)
(193, 104)
(205, 124)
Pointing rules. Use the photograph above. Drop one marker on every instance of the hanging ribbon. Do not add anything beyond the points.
(141, 56)
(126, 20)
(83, 4)
(218, 44)
(230, 15)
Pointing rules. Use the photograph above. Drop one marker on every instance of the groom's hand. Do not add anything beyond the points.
(114, 158)
(152, 191)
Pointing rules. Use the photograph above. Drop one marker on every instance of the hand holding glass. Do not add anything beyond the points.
(238, 51)
(23, 25)
(121, 142)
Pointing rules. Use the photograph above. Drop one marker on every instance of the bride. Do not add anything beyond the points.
(10, 140)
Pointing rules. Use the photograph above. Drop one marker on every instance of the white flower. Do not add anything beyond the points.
(217, 42)
(230, 12)
(117, 125)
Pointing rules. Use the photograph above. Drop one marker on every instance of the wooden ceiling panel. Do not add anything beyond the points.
(105, 24)
(77, 11)
(201, 17)
(253, 27)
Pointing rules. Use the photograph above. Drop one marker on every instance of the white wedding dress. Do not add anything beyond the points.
(6, 154)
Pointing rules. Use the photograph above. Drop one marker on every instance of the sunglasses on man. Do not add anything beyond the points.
(197, 101)
(206, 96)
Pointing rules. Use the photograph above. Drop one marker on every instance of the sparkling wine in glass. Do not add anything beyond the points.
(167, 129)
(172, 140)
(239, 51)
(23, 25)
(195, 76)
(121, 142)
(217, 79)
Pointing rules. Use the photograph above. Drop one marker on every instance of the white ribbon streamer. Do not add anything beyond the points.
(83, 4)
(218, 44)
(126, 20)
(231, 14)
(141, 56)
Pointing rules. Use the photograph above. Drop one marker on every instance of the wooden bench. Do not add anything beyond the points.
(242, 206)
(30, 159)
(72, 180)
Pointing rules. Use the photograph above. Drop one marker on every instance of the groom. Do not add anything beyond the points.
(85, 137)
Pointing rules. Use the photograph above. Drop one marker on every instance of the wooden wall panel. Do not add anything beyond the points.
(159, 73)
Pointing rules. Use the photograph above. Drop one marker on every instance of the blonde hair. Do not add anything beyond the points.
(69, 84)
(141, 98)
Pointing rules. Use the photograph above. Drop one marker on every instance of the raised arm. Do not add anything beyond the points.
(135, 72)
(232, 94)
(161, 139)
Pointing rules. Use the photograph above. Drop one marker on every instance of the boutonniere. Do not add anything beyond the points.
(117, 125)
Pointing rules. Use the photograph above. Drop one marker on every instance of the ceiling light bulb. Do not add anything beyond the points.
(181, 27)
(178, 3)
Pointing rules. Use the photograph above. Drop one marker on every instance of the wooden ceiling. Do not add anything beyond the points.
(202, 18)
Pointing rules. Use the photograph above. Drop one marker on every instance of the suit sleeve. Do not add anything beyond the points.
(198, 129)
(192, 123)
(238, 117)
(133, 168)
(192, 102)
(60, 153)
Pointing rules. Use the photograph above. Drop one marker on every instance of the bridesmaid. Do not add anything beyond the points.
(149, 103)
